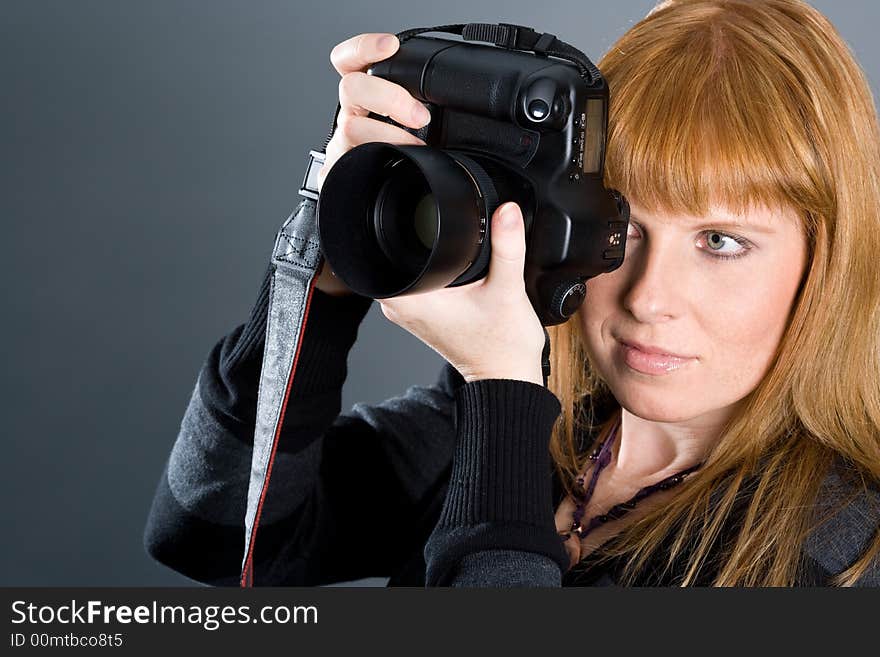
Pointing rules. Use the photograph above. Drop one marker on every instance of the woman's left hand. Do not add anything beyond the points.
(486, 329)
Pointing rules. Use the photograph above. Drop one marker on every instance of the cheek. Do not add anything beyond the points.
(744, 328)
(741, 336)
(734, 318)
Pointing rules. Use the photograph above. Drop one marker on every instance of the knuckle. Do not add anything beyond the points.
(348, 84)
(361, 48)
(341, 119)
(344, 85)
(349, 128)
(388, 311)
(336, 55)
(342, 52)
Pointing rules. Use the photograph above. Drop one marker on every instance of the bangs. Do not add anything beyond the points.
(708, 117)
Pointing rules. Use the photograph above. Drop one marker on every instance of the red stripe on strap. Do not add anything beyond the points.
(247, 577)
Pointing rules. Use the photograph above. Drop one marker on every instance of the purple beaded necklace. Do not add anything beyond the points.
(601, 456)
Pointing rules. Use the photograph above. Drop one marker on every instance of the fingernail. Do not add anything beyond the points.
(508, 216)
(387, 42)
(421, 115)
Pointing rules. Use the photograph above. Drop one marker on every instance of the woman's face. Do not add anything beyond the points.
(715, 294)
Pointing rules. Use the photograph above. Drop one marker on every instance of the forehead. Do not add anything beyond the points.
(758, 218)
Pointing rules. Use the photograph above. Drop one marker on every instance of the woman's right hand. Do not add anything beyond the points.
(360, 94)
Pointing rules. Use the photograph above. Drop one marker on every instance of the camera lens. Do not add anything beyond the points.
(406, 218)
(403, 219)
(426, 220)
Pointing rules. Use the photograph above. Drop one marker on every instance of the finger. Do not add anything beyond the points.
(335, 149)
(390, 311)
(360, 51)
(508, 256)
(360, 93)
(356, 130)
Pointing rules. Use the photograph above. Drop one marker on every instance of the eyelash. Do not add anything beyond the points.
(743, 242)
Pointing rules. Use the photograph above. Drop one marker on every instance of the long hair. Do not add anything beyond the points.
(742, 102)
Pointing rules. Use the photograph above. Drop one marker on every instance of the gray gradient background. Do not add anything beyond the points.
(150, 151)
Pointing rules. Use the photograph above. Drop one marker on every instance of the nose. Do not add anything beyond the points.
(657, 287)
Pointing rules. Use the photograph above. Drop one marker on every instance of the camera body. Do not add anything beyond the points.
(505, 126)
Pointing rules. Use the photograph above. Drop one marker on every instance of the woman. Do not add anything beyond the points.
(719, 392)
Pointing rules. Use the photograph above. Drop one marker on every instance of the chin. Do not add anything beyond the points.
(652, 404)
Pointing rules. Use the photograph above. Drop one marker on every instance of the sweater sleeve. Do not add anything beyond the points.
(195, 524)
(353, 494)
(497, 525)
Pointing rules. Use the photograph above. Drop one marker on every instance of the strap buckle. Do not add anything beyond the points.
(505, 35)
(511, 37)
(522, 37)
(309, 187)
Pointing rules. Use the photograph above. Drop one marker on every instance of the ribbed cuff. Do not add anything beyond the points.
(501, 467)
(331, 330)
(230, 378)
(500, 488)
(253, 334)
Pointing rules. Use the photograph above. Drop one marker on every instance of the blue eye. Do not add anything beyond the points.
(721, 246)
(718, 243)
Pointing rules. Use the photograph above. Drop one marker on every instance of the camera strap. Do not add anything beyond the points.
(297, 258)
(516, 37)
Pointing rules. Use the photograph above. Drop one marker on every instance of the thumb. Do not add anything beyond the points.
(508, 240)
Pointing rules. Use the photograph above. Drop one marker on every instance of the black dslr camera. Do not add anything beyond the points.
(506, 125)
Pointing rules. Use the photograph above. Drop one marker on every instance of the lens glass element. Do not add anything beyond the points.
(426, 219)
(406, 218)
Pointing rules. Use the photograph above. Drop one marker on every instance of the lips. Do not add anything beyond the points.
(649, 359)
(649, 349)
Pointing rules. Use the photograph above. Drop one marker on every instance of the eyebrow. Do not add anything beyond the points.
(725, 224)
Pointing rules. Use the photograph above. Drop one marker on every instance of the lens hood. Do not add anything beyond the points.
(395, 219)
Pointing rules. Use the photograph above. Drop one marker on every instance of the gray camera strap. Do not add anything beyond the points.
(296, 259)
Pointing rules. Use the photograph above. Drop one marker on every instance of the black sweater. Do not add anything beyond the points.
(449, 484)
